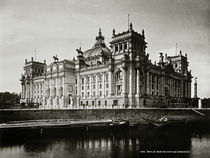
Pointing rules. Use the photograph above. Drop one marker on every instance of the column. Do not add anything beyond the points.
(103, 85)
(90, 88)
(85, 88)
(189, 91)
(22, 91)
(138, 87)
(96, 90)
(44, 94)
(31, 90)
(170, 81)
(24, 94)
(137, 81)
(64, 92)
(124, 88)
(57, 92)
(131, 76)
(172, 87)
(155, 85)
(78, 90)
(131, 85)
(110, 83)
(150, 81)
(51, 94)
(148, 85)
(181, 92)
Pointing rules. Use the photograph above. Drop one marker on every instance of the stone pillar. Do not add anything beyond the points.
(90, 87)
(57, 93)
(27, 92)
(137, 81)
(51, 91)
(31, 90)
(96, 90)
(78, 90)
(131, 85)
(189, 89)
(186, 88)
(161, 86)
(103, 85)
(124, 88)
(181, 89)
(64, 92)
(110, 83)
(24, 91)
(155, 85)
(137, 87)
(44, 94)
(148, 84)
(85, 88)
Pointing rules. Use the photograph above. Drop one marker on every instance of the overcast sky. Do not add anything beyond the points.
(60, 26)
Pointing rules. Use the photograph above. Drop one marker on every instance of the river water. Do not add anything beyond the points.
(190, 140)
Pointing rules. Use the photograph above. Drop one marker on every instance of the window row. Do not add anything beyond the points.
(100, 79)
(94, 94)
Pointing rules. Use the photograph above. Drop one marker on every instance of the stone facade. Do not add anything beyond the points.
(121, 76)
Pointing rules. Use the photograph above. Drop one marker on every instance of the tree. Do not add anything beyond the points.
(9, 99)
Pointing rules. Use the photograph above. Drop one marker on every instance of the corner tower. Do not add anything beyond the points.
(128, 53)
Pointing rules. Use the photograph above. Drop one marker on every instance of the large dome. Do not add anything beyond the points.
(98, 49)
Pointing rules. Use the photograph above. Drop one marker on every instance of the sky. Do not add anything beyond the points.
(60, 26)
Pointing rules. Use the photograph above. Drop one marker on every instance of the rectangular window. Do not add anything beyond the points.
(93, 102)
(115, 102)
(86, 102)
(88, 94)
(100, 86)
(94, 86)
(88, 87)
(82, 94)
(76, 81)
(107, 85)
(99, 103)
(82, 87)
(125, 45)
(107, 92)
(106, 78)
(116, 48)
(94, 94)
(82, 80)
(121, 47)
(119, 89)
(100, 93)
(105, 103)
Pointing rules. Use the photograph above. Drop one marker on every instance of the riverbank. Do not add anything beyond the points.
(134, 116)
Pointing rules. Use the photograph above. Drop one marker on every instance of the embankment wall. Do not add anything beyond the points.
(134, 116)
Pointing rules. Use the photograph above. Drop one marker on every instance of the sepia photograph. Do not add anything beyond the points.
(104, 78)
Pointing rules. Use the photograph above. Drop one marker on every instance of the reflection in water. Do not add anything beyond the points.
(200, 146)
(108, 143)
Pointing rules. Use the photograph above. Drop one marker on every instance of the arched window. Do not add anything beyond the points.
(118, 75)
